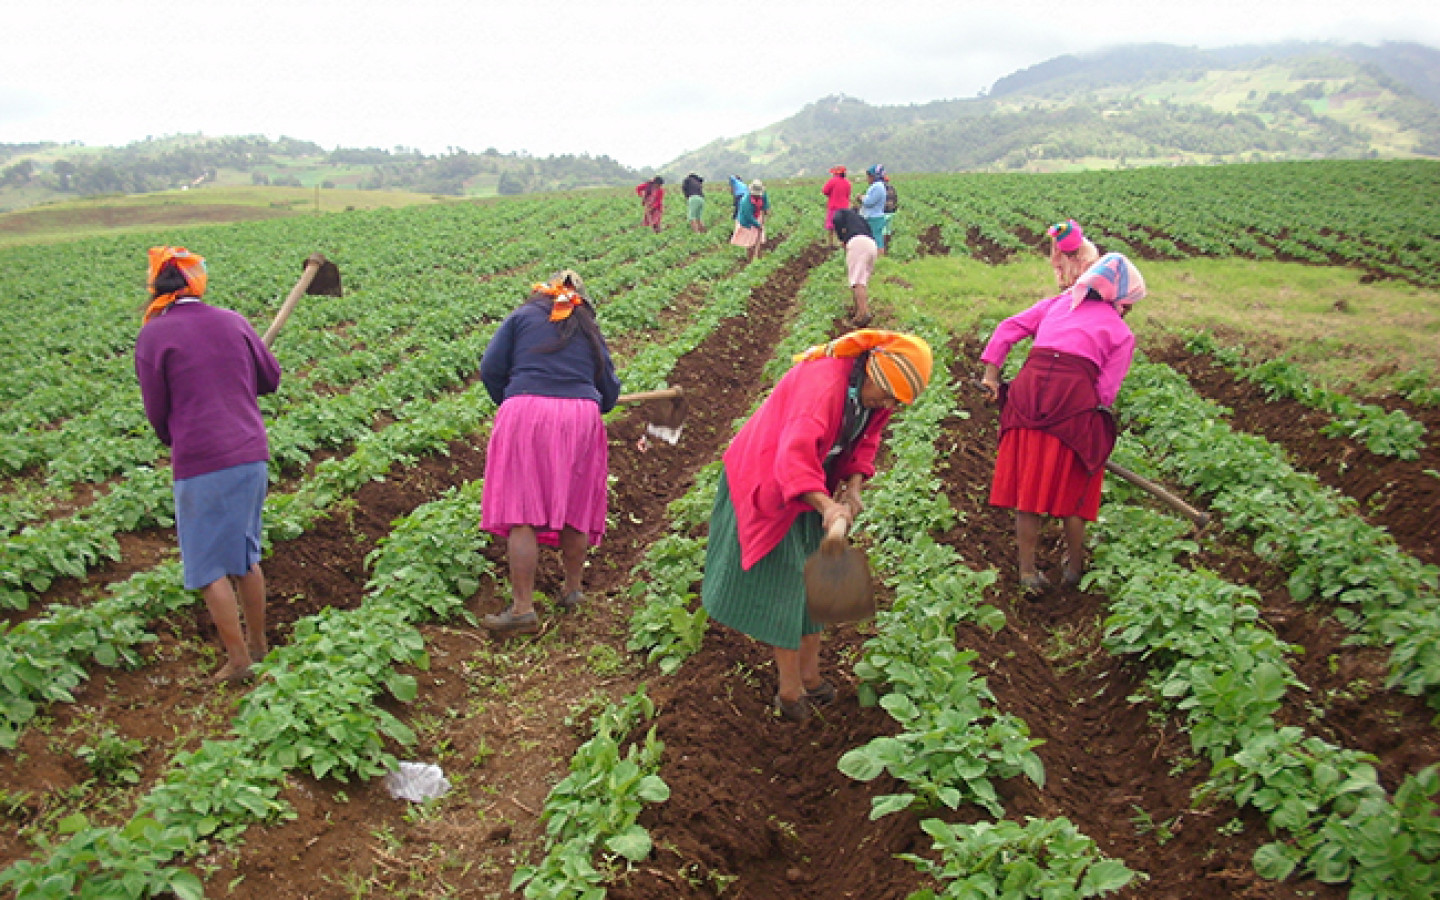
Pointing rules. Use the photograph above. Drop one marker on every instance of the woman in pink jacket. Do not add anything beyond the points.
(1056, 430)
(796, 467)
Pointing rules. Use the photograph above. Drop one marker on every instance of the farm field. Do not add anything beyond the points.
(211, 204)
(1246, 712)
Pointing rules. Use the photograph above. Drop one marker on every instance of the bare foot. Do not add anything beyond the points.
(231, 674)
(258, 653)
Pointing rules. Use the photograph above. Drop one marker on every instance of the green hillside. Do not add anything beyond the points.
(1134, 106)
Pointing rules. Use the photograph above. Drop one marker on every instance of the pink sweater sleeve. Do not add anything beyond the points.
(1014, 329)
(1114, 369)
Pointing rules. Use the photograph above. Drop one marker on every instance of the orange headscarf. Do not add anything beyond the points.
(568, 292)
(899, 363)
(191, 267)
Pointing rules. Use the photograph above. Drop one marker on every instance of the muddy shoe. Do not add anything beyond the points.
(1034, 586)
(796, 711)
(509, 622)
(821, 694)
(1070, 576)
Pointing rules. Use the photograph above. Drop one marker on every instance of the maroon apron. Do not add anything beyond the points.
(1055, 393)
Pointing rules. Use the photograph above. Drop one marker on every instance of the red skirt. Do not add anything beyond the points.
(1036, 473)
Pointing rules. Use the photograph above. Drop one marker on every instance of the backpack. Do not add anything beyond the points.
(892, 200)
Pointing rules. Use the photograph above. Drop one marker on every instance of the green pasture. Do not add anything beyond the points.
(208, 204)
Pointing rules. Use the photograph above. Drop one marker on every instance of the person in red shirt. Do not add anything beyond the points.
(796, 467)
(652, 200)
(837, 197)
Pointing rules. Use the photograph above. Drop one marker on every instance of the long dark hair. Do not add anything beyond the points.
(582, 320)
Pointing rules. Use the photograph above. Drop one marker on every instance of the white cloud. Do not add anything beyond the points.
(638, 80)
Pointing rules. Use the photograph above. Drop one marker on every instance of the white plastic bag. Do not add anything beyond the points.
(417, 782)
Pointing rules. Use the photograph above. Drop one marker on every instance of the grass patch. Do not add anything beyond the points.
(1350, 336)
(121, 213)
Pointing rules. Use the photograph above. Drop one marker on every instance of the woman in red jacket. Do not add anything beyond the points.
(796, 467)
(652, 201)
(837, 197)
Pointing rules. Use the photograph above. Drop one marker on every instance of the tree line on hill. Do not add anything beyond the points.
(168, 163)
(1075, 110)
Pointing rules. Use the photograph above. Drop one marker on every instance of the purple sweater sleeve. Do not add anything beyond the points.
(200, 370)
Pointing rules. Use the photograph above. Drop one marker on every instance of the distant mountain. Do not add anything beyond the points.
(1134, 105)
(1147, 104)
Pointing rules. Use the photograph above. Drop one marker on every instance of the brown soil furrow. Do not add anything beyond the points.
(1397, 495)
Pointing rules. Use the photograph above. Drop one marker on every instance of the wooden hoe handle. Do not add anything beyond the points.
(312, 266)
(1199, 518)
(662, 394)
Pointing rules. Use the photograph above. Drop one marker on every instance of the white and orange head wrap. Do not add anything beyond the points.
(567, 291)
(1114, 277)
(191, 267)
(899, 363)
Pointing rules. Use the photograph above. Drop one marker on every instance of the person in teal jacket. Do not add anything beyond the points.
(872, 205)
(750, 216)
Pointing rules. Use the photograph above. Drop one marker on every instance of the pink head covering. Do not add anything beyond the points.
(1067, 235)
(1114, 278)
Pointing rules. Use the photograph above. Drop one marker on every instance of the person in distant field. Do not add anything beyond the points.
(861, 252)
(1071, 253)
(872, 204)
(693, 187)
(892, 206)
(750, 218)
(796, 467)
(652, 202)
(1056, 428)
(201, 370)
(837, 197)
(547, 462)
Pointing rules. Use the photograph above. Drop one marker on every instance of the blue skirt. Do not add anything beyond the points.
(217, 517)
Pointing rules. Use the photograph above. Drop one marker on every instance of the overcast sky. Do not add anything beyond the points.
(641, 81)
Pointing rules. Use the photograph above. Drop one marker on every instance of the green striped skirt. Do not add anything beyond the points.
(768, 601)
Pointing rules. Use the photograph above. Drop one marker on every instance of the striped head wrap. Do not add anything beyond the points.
(1114, 277)
(1067, 235)
(899, 363)
(567, 291)
(191, 267)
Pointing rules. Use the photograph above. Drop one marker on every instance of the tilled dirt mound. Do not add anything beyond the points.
(1401, 496)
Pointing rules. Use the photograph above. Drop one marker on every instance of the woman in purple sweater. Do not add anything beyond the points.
(547, 462)
(201, 369)
(1056, 430)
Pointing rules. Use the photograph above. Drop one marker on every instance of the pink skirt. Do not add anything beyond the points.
(860, 255)
(546, 467)
(748, 236)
